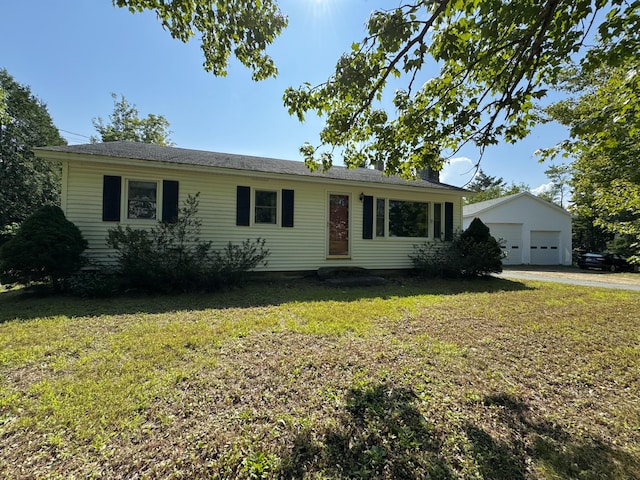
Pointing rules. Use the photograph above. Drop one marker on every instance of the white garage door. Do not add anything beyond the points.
(510, 235)
(545, 248)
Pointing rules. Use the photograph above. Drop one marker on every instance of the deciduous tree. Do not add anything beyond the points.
(125, 124)
(244, 28)
(560, 176)
(26, 181)
(603, 116)
(459, 71)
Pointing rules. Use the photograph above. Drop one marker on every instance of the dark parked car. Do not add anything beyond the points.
(605, 261)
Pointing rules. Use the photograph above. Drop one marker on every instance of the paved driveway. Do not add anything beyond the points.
(574, 276)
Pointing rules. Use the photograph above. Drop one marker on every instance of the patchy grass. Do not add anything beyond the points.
(489, 379)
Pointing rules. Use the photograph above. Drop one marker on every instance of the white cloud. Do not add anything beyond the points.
(545, 187)
(458, 171)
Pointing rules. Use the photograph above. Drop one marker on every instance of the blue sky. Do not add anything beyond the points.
(74, 53)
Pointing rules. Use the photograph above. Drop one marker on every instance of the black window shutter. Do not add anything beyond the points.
(287, 208)
(111, 194)
(243, 206)
(169, 201)
(367, 217)
(448, 221)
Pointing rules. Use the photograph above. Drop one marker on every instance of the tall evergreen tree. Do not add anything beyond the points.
(481, 182)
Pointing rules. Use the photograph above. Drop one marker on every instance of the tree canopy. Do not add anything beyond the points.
(497, 190)
(560, 176)
(26, 181)
(462, 71)
(603, 116)
(467, 71)
(242, 27)
(481, 182)
(430, 75)
(126, 125)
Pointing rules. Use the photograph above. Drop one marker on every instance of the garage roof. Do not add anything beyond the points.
(475, 209)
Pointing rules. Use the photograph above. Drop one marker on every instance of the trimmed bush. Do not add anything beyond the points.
(472, 253)
(46, 248)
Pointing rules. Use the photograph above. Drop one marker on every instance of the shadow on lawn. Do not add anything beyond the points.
(554, 451)
(25, 305)
(382, 434)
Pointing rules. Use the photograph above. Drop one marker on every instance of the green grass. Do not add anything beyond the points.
(487, 379)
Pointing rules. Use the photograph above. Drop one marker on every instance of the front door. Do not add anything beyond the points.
(338, 225)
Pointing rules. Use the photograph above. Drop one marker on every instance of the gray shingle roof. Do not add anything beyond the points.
(156, 153)
(474, 208)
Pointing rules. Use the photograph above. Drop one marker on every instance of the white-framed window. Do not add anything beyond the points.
(408, 219)
(142, 199)
(265, 207)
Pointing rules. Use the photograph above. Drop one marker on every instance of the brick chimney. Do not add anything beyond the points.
(429, 174)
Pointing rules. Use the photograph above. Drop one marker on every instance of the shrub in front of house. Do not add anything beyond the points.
(478, 252)
(472, 253)
(46, 248)
(433, 259)
(93, 283)
(171, 257)
(231, 264)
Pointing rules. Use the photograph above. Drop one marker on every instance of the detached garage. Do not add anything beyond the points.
(533, 231)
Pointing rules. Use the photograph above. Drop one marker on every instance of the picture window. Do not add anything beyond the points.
(408, 219)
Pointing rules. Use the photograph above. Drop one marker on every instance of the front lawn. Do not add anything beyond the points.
(490, 379)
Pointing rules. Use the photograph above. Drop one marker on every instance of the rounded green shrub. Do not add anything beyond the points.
(47, 247)
(472, 253)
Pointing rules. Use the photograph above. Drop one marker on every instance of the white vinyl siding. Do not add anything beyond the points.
(302, 247)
